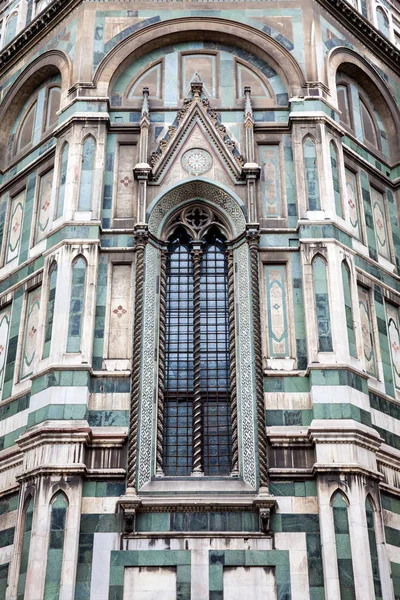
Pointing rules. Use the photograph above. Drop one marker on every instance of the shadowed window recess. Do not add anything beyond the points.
(212, 343)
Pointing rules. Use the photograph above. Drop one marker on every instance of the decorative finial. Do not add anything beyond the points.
(145, 105)
(248, 109)
(196, 85)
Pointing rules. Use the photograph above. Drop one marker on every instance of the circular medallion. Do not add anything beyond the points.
(196, 161)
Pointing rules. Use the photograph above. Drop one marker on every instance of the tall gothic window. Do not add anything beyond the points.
(197, 419)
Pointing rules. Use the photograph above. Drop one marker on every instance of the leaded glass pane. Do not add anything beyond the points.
(214, 356)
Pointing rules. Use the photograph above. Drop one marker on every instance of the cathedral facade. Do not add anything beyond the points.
(199, 299)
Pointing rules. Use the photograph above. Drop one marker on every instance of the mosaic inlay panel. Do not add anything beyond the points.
(352, 203)
(5, 316)
(392, 314)
(378, 211)
(31, 332)
(366, 330)
(245, 359)
(44, 205)
(149, 365)
(15, 227)
(278, 335)
(270, 182)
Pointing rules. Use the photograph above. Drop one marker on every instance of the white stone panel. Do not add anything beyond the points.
(103, 544)
(391, 519)
(150, 583)
(111, 401)
(385, 421)
(120, 330)
(393, 553)
(14, 422)
(124, 197)
(339, 394)
(59, 395)
(287, 400)
(98, 506)
(239, 580)
(297, 504)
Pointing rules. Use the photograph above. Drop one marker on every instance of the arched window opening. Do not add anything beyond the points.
(373, 547)
(383, 21)
(178, 392)
(77, 305)
(50, 310)
(197, 384)
(25, 546)
(38, 116)
(343, 547)
(348, 304)
(55, 549)
(336, 179)
(25, 135)
(368, 125)
(63, 180)
(322, 305)
(86, 183)
(311, 170)
(344, 105)
(53, 104)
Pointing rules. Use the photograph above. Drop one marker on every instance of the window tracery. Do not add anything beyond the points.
(196, 379)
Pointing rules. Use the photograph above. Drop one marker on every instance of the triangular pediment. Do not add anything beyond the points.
(196, 114)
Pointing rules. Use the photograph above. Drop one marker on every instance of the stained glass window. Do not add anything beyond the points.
(180, 359)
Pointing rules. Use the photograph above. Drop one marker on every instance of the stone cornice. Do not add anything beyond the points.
(50, 16)
(366, 32)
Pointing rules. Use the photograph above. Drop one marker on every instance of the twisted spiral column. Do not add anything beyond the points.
(232, 365)
(197, 466)
(253, 238)
(141, 238)
(161, 364)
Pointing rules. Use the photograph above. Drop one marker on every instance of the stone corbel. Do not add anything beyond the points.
(129, 506)
(265, 505)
